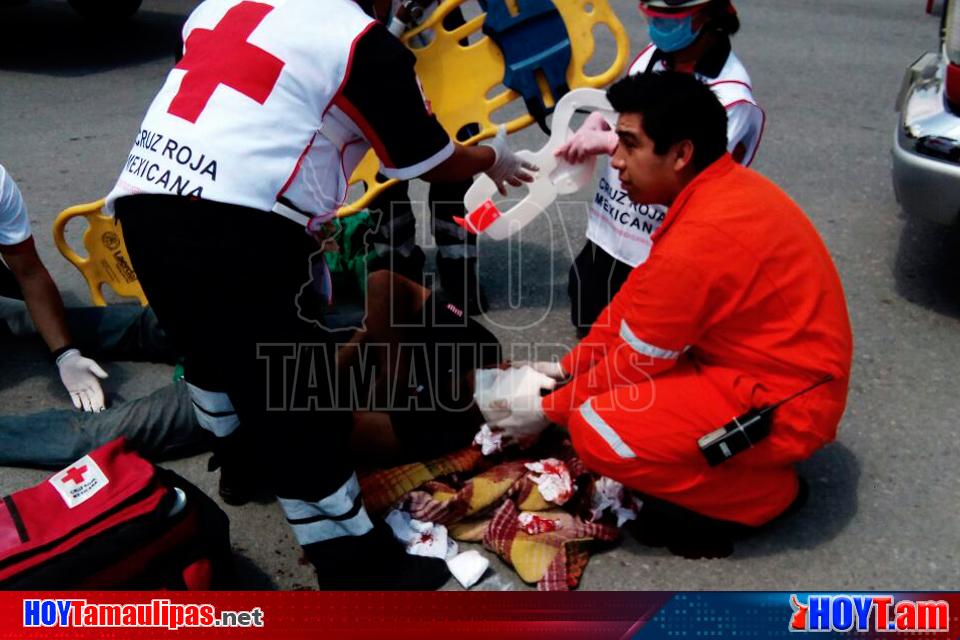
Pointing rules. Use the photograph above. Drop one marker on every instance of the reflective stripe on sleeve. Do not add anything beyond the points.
(645, 348)
(422, 167)
(605, 431)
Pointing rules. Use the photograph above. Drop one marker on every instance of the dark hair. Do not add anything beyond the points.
(722, 18)
(674, 107)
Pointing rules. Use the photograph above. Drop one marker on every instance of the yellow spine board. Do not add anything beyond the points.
(457, 78)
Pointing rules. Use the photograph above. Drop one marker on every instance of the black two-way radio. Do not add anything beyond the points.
(745, 430)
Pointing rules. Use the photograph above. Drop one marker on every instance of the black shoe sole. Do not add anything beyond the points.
(235, 499)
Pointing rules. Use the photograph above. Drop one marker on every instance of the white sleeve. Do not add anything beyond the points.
(14, 225)
(745, 122)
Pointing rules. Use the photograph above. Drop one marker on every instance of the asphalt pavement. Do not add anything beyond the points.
(882, 510)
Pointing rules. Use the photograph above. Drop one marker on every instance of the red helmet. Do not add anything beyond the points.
(679, 8)
(673, 4)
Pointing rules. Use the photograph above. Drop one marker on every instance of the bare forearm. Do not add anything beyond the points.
(465, 163)
(39, 292)
(46, 308)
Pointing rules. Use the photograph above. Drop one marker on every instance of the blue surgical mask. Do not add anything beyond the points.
(672, 34)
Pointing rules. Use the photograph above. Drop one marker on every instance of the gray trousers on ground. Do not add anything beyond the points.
(115, 332)
(160, 425)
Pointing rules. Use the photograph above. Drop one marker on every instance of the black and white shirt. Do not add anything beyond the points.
(279, 101)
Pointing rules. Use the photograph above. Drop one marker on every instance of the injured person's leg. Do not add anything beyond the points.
(115, 332)
(419, 351)
(161, 425)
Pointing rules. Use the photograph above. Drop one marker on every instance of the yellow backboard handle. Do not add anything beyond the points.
(107, 261)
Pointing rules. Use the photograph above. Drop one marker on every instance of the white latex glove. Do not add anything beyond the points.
(525, 423)
(507, 167)
(594, 137)
(516, 392)
(484, 382)
(495, 389)
(80, 376)
(547, 368)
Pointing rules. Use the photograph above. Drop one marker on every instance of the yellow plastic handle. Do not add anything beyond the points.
(107, 261)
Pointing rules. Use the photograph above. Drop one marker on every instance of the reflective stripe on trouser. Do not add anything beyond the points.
(337, 515)
(605, 431)
(214, 411)
(645, 437)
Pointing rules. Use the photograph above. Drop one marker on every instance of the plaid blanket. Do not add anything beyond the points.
(383, 489)
(479, 500)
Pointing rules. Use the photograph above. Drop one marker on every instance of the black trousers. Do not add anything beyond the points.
(595, 277)
(226, 283)
(9, 287)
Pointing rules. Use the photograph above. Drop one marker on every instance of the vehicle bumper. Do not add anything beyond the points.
(926, 177)
(925, 187)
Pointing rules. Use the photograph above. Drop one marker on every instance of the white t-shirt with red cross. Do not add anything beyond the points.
(14, 225)
(623, 228)
(275, 102)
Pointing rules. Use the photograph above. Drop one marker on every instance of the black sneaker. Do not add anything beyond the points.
(691, 535)
(461, 284)
(235, 487)
(683, 532)
(374, 561)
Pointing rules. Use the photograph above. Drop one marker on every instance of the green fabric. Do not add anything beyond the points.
(348, 266)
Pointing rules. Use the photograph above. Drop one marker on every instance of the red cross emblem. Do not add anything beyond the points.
(75, 474)
(222, 55)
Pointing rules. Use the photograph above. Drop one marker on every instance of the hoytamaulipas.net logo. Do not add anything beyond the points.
(159, 612)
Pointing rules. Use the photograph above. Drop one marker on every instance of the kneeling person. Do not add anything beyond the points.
(738, 307)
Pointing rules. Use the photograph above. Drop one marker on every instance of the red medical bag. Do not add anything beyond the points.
(113, 520)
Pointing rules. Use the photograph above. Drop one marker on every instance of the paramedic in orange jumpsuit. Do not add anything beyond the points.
(738, 307)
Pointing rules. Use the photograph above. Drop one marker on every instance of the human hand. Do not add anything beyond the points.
(507, 167)
(510, 401)
(594, 137)
(80, 377)
(550, 369)
(524, 424)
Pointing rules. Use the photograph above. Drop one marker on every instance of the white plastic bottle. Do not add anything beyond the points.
(555, 175)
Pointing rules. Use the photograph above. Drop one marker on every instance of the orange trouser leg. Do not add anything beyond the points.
(645, 436)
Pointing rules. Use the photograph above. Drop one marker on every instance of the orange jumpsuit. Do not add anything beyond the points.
(738, 306)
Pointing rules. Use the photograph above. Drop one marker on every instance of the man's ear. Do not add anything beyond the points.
(683, 155)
